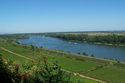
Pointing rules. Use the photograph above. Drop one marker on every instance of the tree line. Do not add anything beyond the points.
(109, 38)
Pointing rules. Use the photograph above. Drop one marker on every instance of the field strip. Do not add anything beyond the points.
(15, 53)
(83, 76)
(80, 75)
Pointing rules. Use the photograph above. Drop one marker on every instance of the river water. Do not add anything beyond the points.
(99, 51)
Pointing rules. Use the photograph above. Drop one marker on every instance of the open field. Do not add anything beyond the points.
(111, 74)
(27, 52)
(76, 79)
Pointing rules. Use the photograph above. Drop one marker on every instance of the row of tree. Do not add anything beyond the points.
(110, 39)
(14, 36)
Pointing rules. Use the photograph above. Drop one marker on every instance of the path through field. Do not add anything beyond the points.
(78, 74)
(15, 53)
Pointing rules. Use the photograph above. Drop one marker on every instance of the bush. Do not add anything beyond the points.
(41, 72)
(50, 73)
(5, 73)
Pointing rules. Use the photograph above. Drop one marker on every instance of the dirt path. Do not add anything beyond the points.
(15, 53)
(84, 76)
(80, 75)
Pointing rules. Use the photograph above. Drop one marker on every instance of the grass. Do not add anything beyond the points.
(74, 65)
(83, 65)
(110, 74)
(12, 57)
(82, 80)
(66, 63)
(29, 53)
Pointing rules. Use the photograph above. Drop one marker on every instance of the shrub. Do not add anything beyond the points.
(41, 72)
(50, 73)
(5, 73)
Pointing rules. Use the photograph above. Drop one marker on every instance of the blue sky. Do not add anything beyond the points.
(61, 15)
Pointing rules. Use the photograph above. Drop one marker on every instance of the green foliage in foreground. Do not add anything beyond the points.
(5, 73)
(42, 72)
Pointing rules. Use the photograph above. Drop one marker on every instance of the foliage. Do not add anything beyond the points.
(50, 73)
(42, 72)
(5, 73)
(109, 38)
(14, 36)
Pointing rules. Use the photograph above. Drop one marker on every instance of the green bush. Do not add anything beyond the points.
(41, 72)
(5, 73)
(50, 73)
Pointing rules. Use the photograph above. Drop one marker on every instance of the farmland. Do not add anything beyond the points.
(108, 71)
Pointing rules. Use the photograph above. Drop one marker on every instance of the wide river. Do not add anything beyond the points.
(99, 51)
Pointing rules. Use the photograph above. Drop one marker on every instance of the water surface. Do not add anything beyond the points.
(99, 51)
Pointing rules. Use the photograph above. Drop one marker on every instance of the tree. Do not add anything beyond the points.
(78, 53)
(85, 54)
(92, 55)
(50, 73)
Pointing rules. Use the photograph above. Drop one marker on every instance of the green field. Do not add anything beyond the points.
(28, 52)
(96, 68)
(111, 74)
(82, 80)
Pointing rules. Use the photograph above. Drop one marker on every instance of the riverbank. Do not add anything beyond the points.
(113, 39)
(81, 37)
(96, 43)
(88, 49)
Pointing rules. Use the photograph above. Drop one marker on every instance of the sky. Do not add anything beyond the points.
(31, 16)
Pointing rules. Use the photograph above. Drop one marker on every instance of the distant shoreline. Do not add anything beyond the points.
(97, 43)
(110, 44)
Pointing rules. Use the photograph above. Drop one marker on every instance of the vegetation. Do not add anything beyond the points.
(42, 72)
(14, 36)
(109, 71)
(107, 38)
(110, 74)
(27, 67)
(115, 39)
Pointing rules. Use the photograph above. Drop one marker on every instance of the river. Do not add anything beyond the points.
(99, 51)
